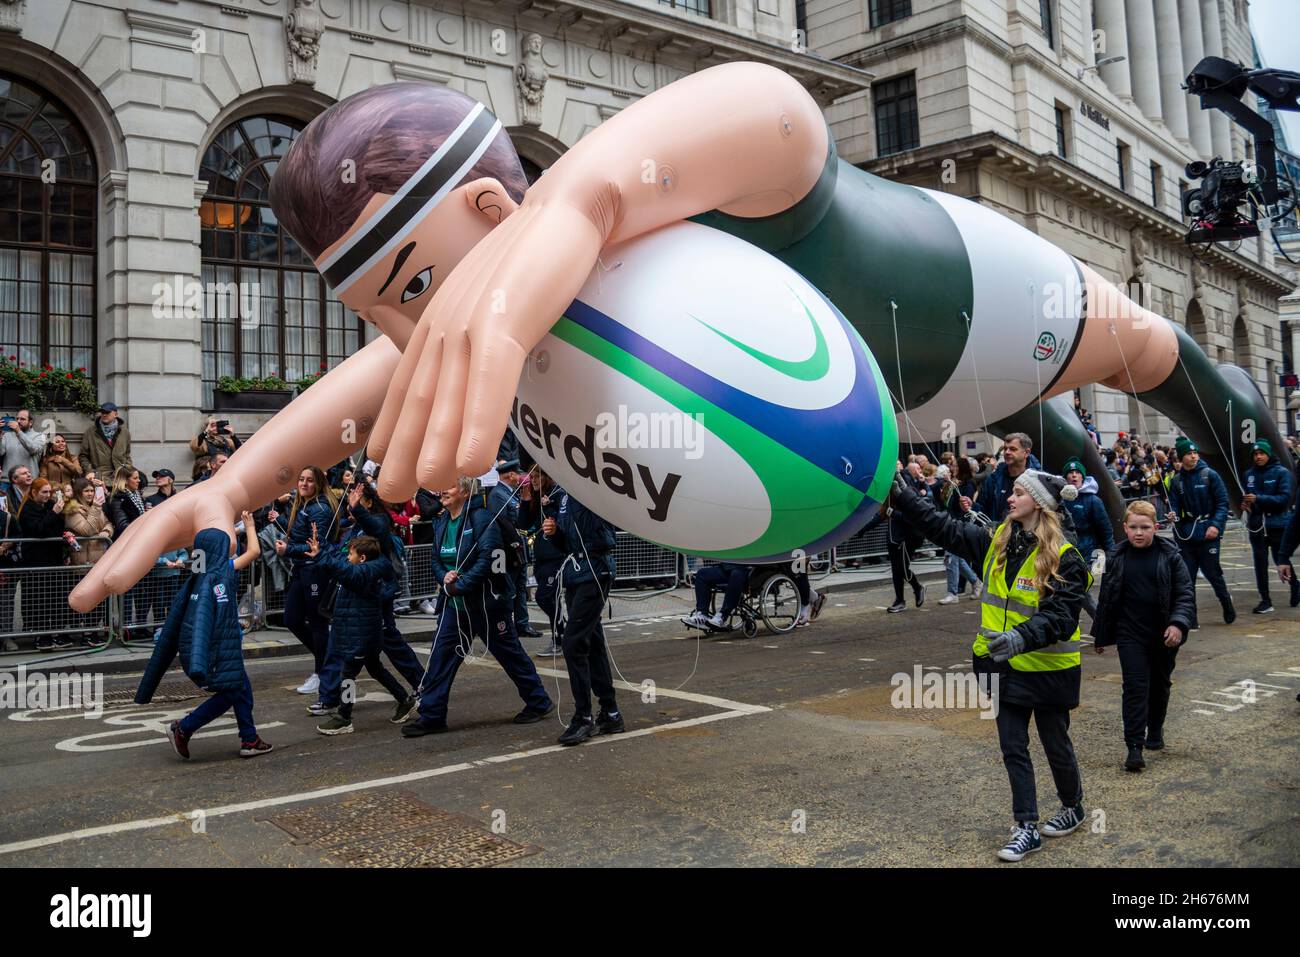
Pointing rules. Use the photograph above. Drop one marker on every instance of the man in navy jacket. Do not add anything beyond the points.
(587, 573)
(1267, 502)
(1198, 507)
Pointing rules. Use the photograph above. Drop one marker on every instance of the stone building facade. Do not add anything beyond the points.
(164, 119)
(1012, 110)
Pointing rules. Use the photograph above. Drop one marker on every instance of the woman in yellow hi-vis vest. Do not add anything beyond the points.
(1028, 642)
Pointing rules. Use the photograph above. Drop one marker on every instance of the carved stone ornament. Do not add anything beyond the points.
(1139, 252)
(530, 79)
(1198, 283)
(1243, 303)
(11, 16)
(302, 30)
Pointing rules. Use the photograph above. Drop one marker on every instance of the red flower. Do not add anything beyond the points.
(322, 367)
(69, 375)
(41, 376)
(13, 358)
(48, 366)
(81, 368)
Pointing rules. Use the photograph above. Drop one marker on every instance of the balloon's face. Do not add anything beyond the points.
(701, 394)
(394, 290)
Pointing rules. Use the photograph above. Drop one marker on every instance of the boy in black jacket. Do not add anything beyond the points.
(1146, 608)
(365, 580)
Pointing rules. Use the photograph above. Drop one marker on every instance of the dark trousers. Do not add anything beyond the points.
(1204, 557)
(301, 601)
(585, 653)
(454, 640)
(520, 578)
(342, 667)
(900, 566)
(221, 702)
(715, 576)
(399, 652)
(547, 574)
(1054, 733)
(1147, 665)
(1264, 543)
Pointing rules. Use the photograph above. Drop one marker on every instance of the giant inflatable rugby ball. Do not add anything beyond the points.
(701, 394)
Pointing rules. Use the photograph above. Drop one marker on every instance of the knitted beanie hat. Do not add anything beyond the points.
(1047, 490)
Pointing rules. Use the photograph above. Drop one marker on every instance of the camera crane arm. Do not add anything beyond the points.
(1220, 85)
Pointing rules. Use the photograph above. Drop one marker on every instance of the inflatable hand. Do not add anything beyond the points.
(171, 525)
(448, 402)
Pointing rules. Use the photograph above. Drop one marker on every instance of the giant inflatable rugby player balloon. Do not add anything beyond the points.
(412, 202)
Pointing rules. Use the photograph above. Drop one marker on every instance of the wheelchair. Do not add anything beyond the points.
(770, 596)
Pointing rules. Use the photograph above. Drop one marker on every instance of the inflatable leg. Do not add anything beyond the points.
(1220, 409)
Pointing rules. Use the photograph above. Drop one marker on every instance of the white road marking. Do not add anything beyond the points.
(866, 659)
(735, 709)
(816, 652)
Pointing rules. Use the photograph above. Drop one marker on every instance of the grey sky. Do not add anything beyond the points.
(1277, 35)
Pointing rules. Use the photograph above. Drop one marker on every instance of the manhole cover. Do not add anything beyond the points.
(167, 691)
(397, 830)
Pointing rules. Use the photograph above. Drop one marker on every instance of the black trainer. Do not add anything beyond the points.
(1134, 760)
(610, 723)
(896, 607)
(420, 727)
(1295, 595)
(579, 730)
(1065, 821)
(532, 715)
(1155, 741)
(1229, 613)
(920, 595)
(1263, 608)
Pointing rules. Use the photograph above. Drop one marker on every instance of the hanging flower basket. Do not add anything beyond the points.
(263, 394)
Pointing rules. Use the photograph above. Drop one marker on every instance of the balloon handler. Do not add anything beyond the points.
(202, 626)
(1028, 645)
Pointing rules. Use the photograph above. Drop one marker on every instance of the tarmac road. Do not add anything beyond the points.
(778, 750)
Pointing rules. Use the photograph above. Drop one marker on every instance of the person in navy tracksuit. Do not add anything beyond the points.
(1092, 530)
(312, 506)
(365, 580)
(202, 627)
(540, 502)
(1267, 502)
(474, 603)
(1198, 508)
(369, 517)
(587, 573)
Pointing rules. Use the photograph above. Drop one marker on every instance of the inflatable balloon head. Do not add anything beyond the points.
(388, 189)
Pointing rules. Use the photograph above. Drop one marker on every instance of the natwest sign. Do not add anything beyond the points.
(1094, 114)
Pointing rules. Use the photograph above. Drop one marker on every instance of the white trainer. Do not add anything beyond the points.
(949, 599)
(310, 686)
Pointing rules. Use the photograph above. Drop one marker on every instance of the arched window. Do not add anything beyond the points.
(48, 184)
(266, 309)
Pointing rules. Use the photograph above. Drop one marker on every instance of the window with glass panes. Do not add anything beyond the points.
(266, 309)
(897, 126)
(887, 11)
(1045, 17)
(48, 199)
(691, 6)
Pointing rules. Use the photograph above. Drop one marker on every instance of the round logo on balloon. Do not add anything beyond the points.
(701, 394)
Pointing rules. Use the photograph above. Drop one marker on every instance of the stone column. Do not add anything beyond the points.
(1198, 120)
(1143, 67)
(1110, 20)
(1169, 46)
(1212, 35)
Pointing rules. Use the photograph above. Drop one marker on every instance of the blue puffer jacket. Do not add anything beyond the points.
(1272, 487)
(588, 541)
(202, 625)
(1199, 499)
(316, 510)
(358, 622)
(482, 589)
(996, 490)
(1091, 521)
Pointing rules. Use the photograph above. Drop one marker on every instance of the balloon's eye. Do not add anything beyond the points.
(418, 285)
